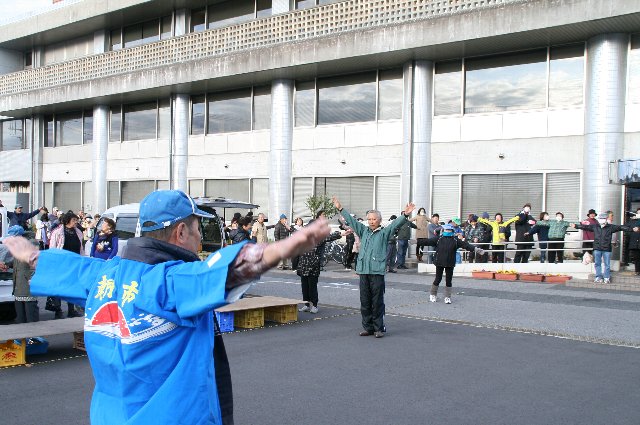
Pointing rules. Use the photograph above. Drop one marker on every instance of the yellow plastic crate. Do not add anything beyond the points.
(248, 319)
(281, 313)
(12, 354)
(78, 341)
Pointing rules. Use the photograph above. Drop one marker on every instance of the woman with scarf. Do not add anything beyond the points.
(105, 242)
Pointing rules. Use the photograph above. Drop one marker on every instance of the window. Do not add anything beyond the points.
(230, 12)
(262, 108)
(263, 8)
(305, 104)
(390, 90)
(506, 82)
(198, 20)
(566, 75)
(230, 111)
(67, 50)
(116, 39)
(135, 191)
(28, 132)
(164, 119)
(49, 141)
(345, 99)
(355, 193)
(12, 135)
(69, 129)
(166, 27)
(306, 4)
(116, 124)
(634, 70)
(500, 193)
(67, 196)
(197, 114)
(87, 127)
(140, 121)
(448, 88)
(28, 60)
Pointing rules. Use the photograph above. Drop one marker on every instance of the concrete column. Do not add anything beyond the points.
(99, 162)
(181, 23)
(407, 133)
(37, 144)
(280, 6)
(101, 41)
(604, 120)
(281, 142)
(421, 125)
(180, 143)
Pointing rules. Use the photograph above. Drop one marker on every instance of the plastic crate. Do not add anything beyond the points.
(35, 345)
(248, 319)
(78, 341)
(225, 320)
(12, 354)
(281, 313)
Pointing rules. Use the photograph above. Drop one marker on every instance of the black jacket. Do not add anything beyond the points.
(602, 235)
(153, 251)
(280, 232)
(446, 247)
(238, 235)
(634, 237)
(522, 227)
(309, 262)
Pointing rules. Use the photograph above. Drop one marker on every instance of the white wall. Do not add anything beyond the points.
(67, 163)
(10, 61)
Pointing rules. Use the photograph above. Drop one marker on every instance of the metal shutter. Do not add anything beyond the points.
(237, 189)
(445, 197)
(302, 189)
(355, 193)
(66, 196)
(135, 191)
(388, 196)
(260, 195)
(563, 195)
(503, 193)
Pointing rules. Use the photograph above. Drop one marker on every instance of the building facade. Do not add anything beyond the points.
(461, 106)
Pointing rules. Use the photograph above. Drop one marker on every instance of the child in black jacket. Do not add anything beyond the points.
(446, 246)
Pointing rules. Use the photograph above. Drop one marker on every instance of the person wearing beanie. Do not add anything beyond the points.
(447, 245)
(475, 234)
(524, 240)
(281, 231)
(587, 235)
(603, 234)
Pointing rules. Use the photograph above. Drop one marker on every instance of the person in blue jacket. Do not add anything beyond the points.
(149, 323)
(105, 242)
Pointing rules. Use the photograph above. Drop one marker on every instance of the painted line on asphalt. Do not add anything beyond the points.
(30, 364)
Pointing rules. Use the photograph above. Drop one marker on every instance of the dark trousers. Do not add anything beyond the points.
(477, 257)
(556, 243)
(635, 257)
(310, 289)
(392, 250)
(587, 247)
(498, 255)
(543, 251)
(27, 311)
(348, 253)
(522, 255)
(372, 302)
(448, 280)
(403, 245)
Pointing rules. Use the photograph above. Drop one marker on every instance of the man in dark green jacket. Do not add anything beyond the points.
(371, 264)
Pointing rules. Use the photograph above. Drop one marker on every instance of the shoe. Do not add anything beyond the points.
(402, 267)
(366, 333)
(347, 268)
(433, 298)
(378, 334)
(304, 309)
(280, 268)
(313, 309)
(391, 271)
(447, 300)
(597, 280)
(58, 315)
(607, 280)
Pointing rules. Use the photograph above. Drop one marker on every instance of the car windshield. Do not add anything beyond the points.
(126, 227)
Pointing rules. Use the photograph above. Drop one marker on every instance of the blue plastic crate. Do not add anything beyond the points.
(35, 345)
(225, 320)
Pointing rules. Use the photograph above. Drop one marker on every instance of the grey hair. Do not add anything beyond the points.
(376, 212)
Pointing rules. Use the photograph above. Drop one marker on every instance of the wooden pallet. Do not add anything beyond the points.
(251, 312)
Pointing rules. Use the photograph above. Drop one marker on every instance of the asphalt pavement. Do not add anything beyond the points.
(502, 353)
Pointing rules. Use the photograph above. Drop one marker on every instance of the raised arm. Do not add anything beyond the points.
(511, 220)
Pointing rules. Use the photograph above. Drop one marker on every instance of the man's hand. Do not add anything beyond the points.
(636, 229)
(572, 225)
(409, 208)
(532, 222)
(298, 243)
(20, 248)
(460, 236)
(336, 203)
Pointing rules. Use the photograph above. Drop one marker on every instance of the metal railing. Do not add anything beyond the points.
(291, 27)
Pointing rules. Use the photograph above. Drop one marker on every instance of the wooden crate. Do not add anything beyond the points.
(78, 341)
(281, 313)
(12, 354)
(249, 319)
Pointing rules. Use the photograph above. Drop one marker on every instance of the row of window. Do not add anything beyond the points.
(15, 134)
(142, 33)
(69, 129)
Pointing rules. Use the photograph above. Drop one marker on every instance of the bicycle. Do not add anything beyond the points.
(333, 251)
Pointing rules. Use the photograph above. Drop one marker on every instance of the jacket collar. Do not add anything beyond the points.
(154, 251)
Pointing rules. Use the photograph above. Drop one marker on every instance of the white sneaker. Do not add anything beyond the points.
(314, 309)
(607, 280)
(432, 298)
(597, 280)
(447, 300)
(304, 308)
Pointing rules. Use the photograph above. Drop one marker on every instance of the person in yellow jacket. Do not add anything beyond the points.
(500, 237)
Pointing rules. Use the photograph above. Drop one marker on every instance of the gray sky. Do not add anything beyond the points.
(12, 8)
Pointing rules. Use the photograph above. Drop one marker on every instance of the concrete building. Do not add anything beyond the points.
(462, 106)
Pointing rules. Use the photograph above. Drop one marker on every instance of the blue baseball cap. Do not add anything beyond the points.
(15, 231)
(447, 228)
(166, 207)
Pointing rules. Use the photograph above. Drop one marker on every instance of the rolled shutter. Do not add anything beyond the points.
(445, 196)
(302, 189)
(388, 196)
(563, 195)
(500, 193)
